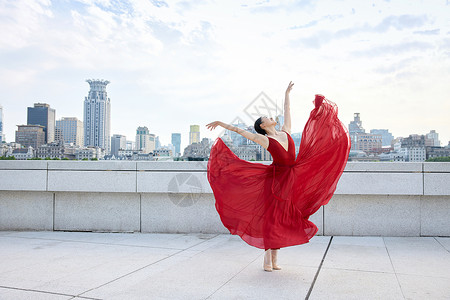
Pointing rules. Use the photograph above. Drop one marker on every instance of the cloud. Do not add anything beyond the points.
(428, 32)
(266, 7)
(400, 22)
(323, 37)
(396, 67)
(316, 22)
(399, 48)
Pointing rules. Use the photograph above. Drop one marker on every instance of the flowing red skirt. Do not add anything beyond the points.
(268, 206)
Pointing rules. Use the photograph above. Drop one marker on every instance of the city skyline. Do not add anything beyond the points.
(174, 64)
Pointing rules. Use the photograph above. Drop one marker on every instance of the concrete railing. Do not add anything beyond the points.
(393, 199)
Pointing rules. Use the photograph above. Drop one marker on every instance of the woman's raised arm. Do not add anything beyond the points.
(256, 137)
(287, 109)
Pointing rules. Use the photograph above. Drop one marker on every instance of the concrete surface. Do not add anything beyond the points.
(85, 265)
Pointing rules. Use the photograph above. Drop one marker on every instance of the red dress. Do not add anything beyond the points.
(268, 206)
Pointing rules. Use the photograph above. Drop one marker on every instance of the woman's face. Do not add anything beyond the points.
(268, 121)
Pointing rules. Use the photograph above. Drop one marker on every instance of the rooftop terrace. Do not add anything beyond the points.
(81, 265)
(149, 230)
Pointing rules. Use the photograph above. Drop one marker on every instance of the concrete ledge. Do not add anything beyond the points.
(396, 199)
(435, 217)
(173, 182)
(180, 213)
(23, 180)
(97, 211)
(92, 181)
(372, 215)
(381, 183)
(92, 165)
(436, 184)
(26, 210)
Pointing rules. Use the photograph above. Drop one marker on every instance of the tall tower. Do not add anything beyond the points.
(194, 134)
(176, 141)
(42, 114)
(97, 116)
(2, 135)
(355, 128)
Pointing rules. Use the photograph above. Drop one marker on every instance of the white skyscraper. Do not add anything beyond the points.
(2, 135)
(97, 116)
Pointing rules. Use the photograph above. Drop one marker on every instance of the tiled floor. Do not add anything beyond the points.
(81, 265)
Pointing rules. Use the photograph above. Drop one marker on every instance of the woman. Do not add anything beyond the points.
(268, 206)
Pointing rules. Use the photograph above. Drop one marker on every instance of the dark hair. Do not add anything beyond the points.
(258, 126)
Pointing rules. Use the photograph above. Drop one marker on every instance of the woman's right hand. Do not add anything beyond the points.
(289, 88)
(213, 125)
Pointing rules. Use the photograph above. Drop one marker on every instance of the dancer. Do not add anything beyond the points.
(269, 206)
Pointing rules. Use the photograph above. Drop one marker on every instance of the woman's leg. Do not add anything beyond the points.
(274, 254)
(268, 260)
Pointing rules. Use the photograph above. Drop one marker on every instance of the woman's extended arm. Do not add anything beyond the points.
(287, 109)
(256, 137)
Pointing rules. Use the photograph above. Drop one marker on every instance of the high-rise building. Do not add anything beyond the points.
(42, 114)
(157, 143)
(145, 140)
(386, 136)
(70, 130)
(2, 135)
(118, 142)
(194, 134)
(236, 138)
(176, 141)
(368, 142)
(355, 128)
(432, 139)
(97, 116)
(30, 135)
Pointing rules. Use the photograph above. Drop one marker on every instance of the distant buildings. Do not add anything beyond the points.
(70, 131)
(367, 142)
(362, 141)
(97, 116)
(2, 135)
(198, 151)
(194, 134)
(386, 136)
(30, 135)
(176, 142)
(145, 140)
(42, 114)
(432, 139)
(118, 142)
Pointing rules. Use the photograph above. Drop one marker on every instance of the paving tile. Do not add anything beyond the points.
(418, 256)
(11, 294)
(424, 287)
(346, 284)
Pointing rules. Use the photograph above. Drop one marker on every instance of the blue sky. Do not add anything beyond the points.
(176, 63)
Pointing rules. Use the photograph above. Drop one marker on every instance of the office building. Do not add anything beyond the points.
(42, 114)
(176, 142)
(145, 140)
(30, 135)
(194, 134)
(118, 142)
(97, 116)
(2, 135)
(70, 131)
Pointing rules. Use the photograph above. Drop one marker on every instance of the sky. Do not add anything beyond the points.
(172, 64)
